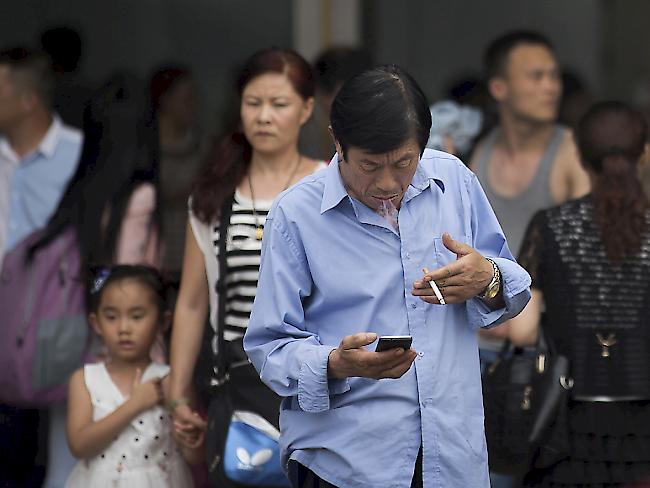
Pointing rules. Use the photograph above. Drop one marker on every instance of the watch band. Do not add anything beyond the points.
(494, 283)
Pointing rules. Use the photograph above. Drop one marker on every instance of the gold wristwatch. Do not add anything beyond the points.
(494, 286)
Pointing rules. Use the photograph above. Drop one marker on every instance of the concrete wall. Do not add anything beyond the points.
(211, 36)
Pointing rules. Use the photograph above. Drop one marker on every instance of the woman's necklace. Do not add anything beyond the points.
(259, 227)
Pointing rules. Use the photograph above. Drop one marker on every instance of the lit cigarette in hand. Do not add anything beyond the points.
(435, 288)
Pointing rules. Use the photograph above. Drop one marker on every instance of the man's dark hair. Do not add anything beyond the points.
(496, 55)
(30, 70)
(336, 65)
(63, 45)
(379, 110)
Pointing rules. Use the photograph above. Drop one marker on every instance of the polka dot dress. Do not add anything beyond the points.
(143, 455)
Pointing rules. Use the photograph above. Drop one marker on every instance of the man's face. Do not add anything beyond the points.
(10, 100)
(376, 178)
(180, 102)
(531, 85)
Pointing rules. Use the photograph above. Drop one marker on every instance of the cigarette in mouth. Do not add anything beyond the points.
(435, 288)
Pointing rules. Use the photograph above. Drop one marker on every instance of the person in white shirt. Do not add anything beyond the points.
(38, 156)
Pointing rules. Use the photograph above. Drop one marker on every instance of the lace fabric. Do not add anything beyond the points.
(587, 298)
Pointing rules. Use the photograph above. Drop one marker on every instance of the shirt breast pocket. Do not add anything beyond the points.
(443, 255)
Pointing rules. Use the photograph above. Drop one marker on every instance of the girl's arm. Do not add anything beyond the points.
(189, 321)
(87, 438)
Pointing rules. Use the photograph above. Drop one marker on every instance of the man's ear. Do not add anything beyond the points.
(94, 323)
(498, 88)
(645, 156)
(28, 99)
(339, 149)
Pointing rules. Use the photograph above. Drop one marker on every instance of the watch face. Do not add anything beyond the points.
(493, 290)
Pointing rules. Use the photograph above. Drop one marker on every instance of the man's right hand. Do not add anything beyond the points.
(352, 359)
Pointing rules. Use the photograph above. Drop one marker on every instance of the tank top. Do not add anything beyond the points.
(515, 213)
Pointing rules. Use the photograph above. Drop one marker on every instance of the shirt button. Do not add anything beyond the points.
(420, 354)
(408, 256)
(414, 305)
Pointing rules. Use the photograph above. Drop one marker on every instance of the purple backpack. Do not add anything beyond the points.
(44, 332)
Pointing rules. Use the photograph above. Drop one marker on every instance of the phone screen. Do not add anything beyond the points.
(391, 342)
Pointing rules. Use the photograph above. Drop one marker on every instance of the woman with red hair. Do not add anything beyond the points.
(249, 168)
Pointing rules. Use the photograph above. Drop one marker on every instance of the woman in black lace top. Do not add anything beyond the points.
(590, 263)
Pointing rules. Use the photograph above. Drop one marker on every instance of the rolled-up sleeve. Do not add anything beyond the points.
(289, 358)
(489, 240)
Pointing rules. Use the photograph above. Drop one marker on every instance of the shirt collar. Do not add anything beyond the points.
(50, 141)
(335, 191)
(6, 153)
(46, 147)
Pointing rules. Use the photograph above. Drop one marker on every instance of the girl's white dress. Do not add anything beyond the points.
(142, 455)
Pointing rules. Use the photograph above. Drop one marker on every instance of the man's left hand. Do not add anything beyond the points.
(460, 280)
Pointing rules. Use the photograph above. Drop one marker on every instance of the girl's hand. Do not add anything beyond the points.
(189, 437)
(189, 428)
(148, 394)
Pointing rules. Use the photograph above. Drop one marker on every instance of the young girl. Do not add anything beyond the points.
(116, 423)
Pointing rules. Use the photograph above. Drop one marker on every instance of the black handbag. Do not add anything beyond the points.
(525, 399)
(236, 387)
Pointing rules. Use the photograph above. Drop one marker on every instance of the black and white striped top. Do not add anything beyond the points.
(243, 261)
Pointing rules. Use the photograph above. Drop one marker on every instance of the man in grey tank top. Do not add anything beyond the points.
(528, 162)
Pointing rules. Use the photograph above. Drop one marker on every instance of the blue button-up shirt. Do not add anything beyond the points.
(31, 187)
(333, 267)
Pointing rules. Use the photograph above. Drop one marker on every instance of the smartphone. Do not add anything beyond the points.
(391, 342)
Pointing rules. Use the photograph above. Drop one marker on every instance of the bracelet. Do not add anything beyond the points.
(177, 402)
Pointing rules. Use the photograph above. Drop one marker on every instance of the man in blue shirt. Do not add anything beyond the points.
(38, 153)
(342, 263)
(38, 156)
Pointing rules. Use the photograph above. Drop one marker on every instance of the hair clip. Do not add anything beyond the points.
(100, 279)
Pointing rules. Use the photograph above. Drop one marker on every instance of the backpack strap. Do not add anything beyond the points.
(220, 360)
(62, 243)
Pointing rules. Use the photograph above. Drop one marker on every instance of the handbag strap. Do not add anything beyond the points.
(544, 345)
(220, 361)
